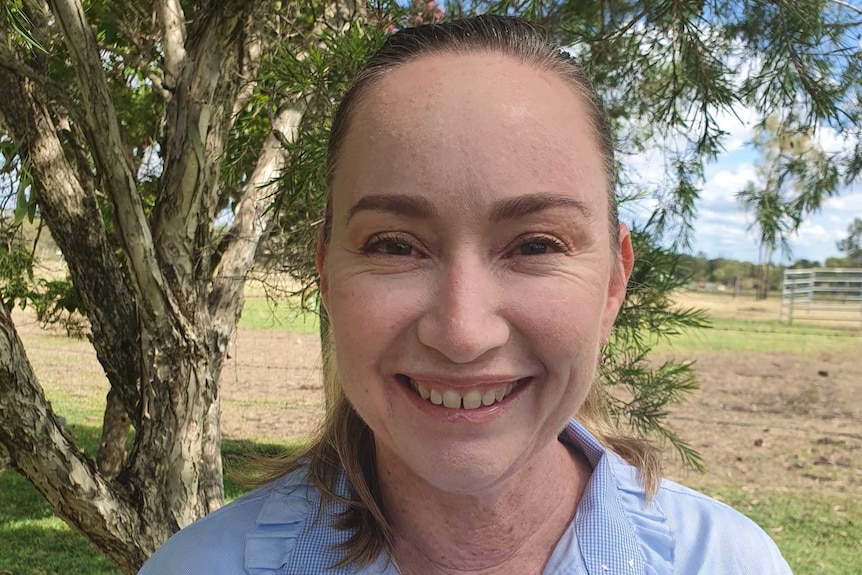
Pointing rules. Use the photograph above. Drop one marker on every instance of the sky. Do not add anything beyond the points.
(722, 227)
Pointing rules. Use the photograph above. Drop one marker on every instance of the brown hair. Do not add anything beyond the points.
(343, 442)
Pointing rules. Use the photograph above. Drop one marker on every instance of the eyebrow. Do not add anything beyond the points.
(419, 207)
(401, 204)
(529, 204)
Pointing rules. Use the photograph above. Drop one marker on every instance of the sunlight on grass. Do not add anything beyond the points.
(729, 335)
(263, 314)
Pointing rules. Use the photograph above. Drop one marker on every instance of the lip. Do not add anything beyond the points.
(482, 414)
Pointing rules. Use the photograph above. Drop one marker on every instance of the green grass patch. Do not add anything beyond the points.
(816, 533)
(288, 316)
(732, 335)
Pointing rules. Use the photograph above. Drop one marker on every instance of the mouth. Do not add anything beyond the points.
(465, 400)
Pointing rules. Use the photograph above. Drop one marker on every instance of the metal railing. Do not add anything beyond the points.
(809, 292)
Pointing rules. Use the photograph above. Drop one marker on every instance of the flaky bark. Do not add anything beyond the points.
(112, 161)
(115, 430)
(198, 121)
(252, 218)
(172, 19)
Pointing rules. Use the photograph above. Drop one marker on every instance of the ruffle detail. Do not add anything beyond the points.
(655, 536)
(280, 523)
(617, 532)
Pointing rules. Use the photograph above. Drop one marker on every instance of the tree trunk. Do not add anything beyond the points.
(179, 477)
(115, 430)
(4, 458)
(763, 273)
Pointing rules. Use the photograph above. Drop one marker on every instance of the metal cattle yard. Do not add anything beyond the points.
(822, 294)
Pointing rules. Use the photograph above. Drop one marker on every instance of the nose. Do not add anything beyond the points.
(463, 321)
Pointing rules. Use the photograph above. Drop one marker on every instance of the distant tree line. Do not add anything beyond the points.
(724, 274)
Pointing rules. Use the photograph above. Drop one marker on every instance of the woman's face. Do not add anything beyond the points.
(470, 275)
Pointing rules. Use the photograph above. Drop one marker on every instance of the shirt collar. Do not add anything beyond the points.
(614, 527)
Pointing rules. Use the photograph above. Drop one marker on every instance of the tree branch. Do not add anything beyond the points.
(144, 66)
(112, 161)
(10, 62)
(197, 125)
(73, 216)
(44, 452)
(252, 217)
(173, 23)
(843, 4)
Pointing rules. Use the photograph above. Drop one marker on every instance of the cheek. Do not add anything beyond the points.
(371, 317)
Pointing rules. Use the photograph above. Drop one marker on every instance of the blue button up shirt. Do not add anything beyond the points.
(275, 530)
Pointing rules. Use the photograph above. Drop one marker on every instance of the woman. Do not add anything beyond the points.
(472, 265)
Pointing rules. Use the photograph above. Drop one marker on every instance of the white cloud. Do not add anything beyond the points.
(721, 187)
(738, 123)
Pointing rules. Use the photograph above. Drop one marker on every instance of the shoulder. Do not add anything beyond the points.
(708, 532)
(216, 544)
(708, 536)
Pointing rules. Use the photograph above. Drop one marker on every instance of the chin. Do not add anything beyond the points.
(462, 467)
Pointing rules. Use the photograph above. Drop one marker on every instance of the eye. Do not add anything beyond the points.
(541, 245)
(389, 245)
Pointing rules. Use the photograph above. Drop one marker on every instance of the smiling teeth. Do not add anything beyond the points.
(473, 399)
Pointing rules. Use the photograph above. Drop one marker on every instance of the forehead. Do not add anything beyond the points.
(477, 122)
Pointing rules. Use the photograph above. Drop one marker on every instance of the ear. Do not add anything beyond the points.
(320, 259)
(619, 279)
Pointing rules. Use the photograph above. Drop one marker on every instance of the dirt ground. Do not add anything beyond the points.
(775, 421)
(768, 420)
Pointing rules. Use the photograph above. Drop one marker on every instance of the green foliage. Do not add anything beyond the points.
(19, 24)
(852, 244)
(795, 177)
(641, 393)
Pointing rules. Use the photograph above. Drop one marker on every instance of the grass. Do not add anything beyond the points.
(262, 314)
(32, 540)
(738, 335)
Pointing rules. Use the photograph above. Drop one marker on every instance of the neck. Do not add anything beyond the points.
(510, 528)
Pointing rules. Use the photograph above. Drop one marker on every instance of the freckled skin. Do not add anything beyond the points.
(466, 132)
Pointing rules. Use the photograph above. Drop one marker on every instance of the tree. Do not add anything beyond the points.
(160, 284)
(131, 127)
(795, 176)
(852, 244)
